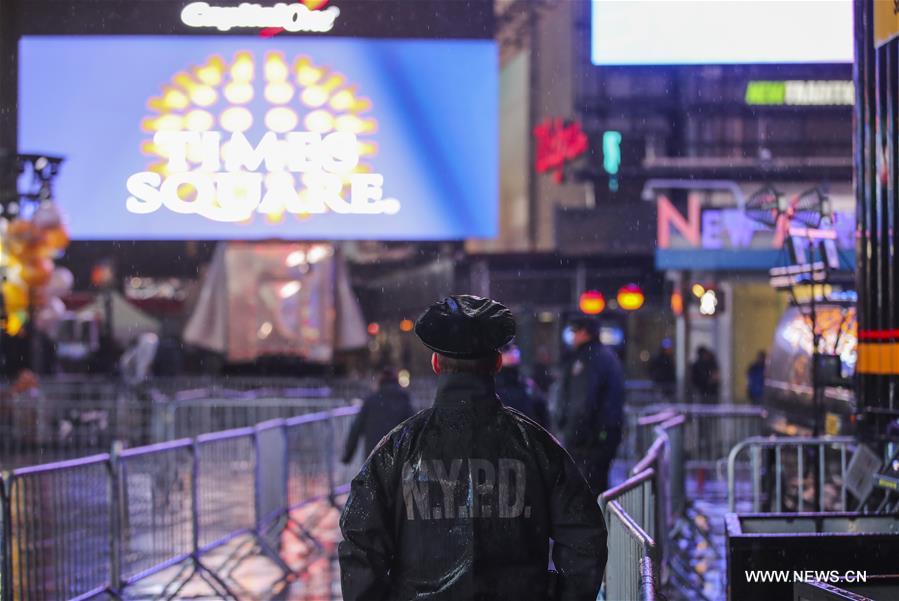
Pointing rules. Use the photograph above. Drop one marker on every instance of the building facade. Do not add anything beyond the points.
(671, 156)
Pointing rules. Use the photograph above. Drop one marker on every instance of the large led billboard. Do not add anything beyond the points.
(695, 32)
(207, 137)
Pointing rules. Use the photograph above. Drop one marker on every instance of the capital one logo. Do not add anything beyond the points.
(233, 141)
(305, 15)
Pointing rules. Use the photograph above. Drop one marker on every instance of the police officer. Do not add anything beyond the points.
(591, 404)
(460, 501)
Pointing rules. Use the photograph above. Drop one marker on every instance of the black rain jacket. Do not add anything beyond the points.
(459, 503)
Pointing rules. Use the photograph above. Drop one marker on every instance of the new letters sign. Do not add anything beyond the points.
(726, 238)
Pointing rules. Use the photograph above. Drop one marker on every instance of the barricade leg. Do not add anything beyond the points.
(5, 544)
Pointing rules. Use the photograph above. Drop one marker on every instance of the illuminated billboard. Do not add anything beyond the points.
(677, 32)
(254, 138)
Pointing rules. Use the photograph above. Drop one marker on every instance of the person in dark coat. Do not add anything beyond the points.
(516, 391)
(381, 412)
(662, 369)
(461, 501)
(591, 404)
(705, 376)
(755, 379)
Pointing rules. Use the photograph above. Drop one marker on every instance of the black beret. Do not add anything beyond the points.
(465, 327)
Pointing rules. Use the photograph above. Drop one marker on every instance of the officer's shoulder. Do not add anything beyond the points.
(402, 433)
(529, 426)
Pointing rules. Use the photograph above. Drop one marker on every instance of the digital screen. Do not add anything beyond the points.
(696, 32)
(182, 137)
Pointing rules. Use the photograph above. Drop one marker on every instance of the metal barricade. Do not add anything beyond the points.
(677, 477)
(636, 497)
(38, 429)
(4, 539)
(271, 473)
(104, 524)
(343, 473)
(155, 529)
(631, 568)
(308, 459)
(655, 499)
(59, 532)
(639, 396)
(631, 513)
(197, 416)
(224, 474)
(781, 466)
(711, 431)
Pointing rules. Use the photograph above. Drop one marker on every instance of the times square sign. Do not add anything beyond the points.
(228, 147)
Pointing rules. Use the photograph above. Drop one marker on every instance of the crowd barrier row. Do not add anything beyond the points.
(638, 513)
(650, 512)
(784, 471)
(710, 431)
(102, 524)
(71, 418)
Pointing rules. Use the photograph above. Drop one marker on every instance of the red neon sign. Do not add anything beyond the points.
(558, 142)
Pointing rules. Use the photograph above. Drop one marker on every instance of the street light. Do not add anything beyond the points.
(592, 302)
(630, 297)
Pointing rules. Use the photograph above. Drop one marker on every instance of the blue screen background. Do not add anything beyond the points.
(435, 102)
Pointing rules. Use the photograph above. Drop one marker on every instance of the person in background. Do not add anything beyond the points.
(755, 379)
(661, 369)
(25, 381)
(381, 412)
(461, 501)
(543, 373)
(22, 420)
(705, 376)
(591, 404)
(517, 391)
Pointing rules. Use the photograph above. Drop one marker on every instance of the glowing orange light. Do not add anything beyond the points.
(373, 328)
(592, 302)
(406, 325)
(630, 297)
(677, 303)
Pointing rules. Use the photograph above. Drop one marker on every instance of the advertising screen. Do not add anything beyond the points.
(695, 32)
(253, 138)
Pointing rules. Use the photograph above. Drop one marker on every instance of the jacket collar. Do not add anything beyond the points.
(462, 389)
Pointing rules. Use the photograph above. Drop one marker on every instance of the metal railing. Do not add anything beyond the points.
(788, 469)
(711, 431)
(663, 523)
(78, 417)
(107, 523)
(638, 514)
(631, 570)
